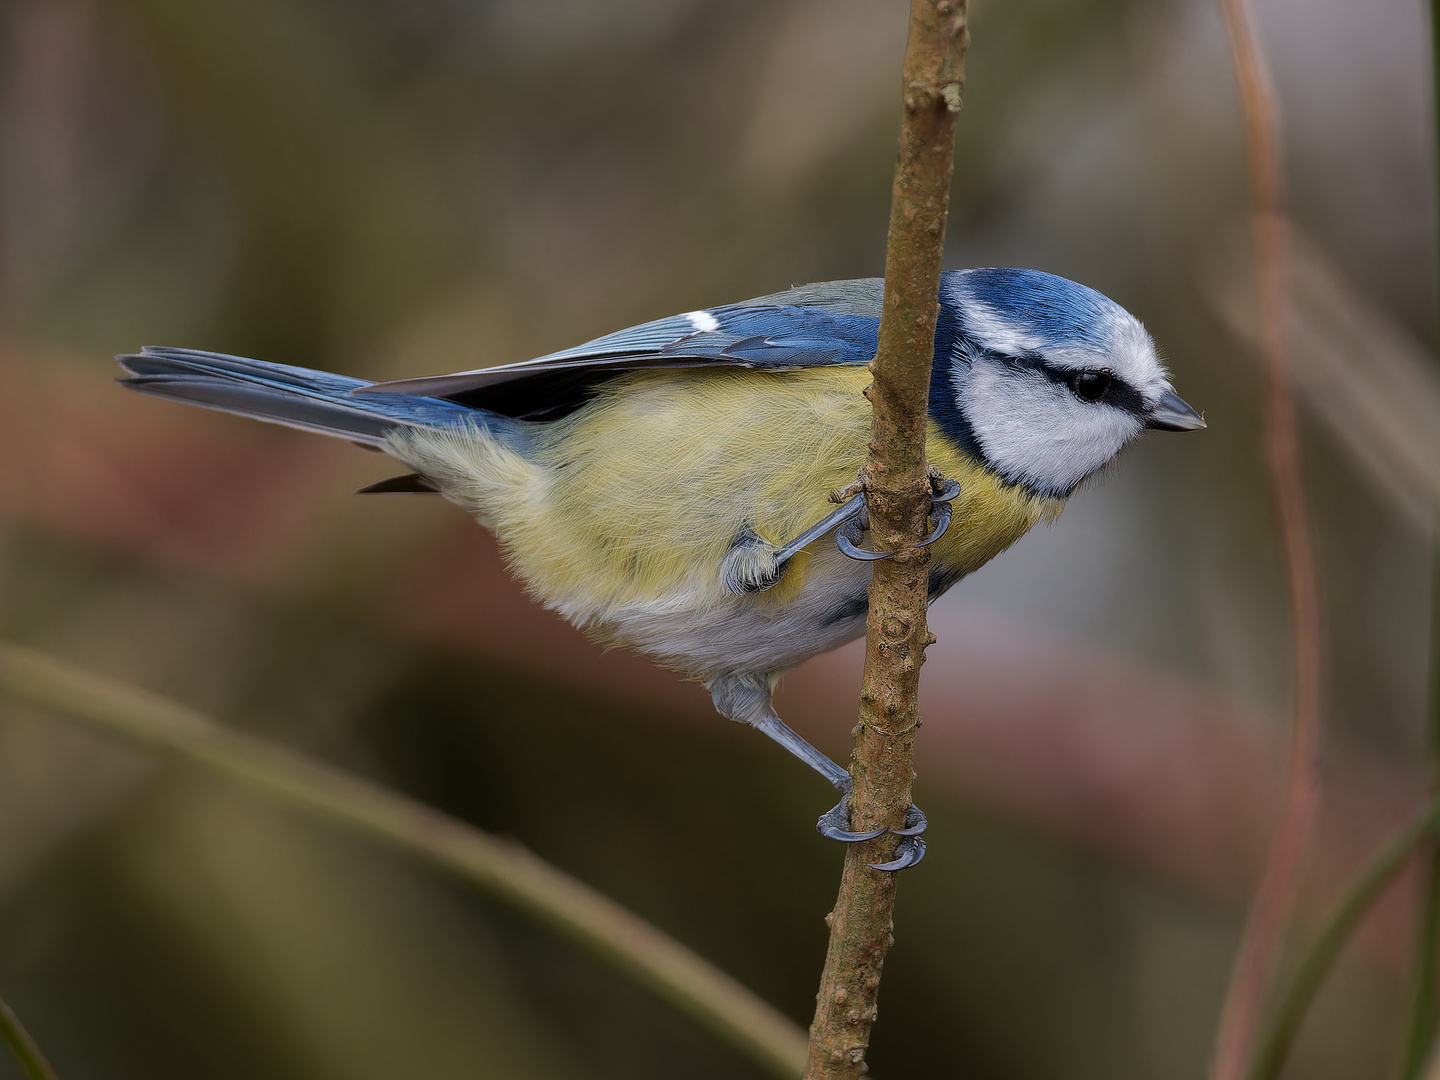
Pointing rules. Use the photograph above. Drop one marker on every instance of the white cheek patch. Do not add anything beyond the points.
(1036, 432)
(703, 321)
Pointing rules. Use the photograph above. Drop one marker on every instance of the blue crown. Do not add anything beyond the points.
(1057, 309)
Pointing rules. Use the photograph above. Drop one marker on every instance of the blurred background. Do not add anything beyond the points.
(390, 188)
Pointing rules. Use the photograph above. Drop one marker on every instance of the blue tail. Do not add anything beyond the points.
(296, 397)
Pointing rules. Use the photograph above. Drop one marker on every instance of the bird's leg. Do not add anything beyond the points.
(754, 564)
(747, 699)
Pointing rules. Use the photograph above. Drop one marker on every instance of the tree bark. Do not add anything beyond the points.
(897, 490)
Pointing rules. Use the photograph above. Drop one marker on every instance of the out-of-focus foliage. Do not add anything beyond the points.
(400, 187)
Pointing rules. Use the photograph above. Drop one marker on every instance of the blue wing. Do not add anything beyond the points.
(812, 326)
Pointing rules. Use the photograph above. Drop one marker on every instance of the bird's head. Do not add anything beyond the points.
(1047, 380)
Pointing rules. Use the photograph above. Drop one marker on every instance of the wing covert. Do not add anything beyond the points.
(769, 336)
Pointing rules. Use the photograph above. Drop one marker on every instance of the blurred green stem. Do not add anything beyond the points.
(32, 1061)
(1366, 887)
(502, 869)
(1422, 1005)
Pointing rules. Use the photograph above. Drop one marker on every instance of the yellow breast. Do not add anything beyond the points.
(636, 498)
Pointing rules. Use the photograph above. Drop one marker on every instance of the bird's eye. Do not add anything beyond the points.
(1090, 385)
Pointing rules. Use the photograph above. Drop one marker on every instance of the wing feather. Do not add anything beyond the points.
(811, 326)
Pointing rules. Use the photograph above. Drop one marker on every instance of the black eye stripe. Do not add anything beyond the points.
(1119, 394)
(1124, 396)
(1116, 392)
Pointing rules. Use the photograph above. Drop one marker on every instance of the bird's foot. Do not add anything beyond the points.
(835, 824)
(942, 493)
(911, 848)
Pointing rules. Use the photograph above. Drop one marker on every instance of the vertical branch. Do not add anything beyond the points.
(897, 490)
(1275, 896)
(1422, 1011)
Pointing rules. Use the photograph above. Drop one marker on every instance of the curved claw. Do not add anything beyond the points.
(942, 512)
(947, 492)
(847, 537)
(915, 823)
(835, 823)
(908, 854)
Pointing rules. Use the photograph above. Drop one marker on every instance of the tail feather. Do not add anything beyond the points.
(295, 397)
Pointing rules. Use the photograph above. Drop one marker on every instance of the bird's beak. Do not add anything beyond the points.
(1172, 414)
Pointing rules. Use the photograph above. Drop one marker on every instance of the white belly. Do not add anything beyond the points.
(702, 636)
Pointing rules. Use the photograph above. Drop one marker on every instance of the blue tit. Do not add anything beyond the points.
(667, 487)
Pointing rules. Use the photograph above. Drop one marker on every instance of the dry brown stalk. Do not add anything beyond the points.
(897, 490)
(1275, 897)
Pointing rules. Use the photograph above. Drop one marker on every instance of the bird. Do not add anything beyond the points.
(668, 487)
